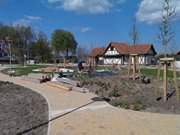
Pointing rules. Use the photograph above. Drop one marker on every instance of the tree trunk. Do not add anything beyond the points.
(67, 53)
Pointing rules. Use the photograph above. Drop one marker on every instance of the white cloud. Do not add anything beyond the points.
(86, 6)
(35, 18)
(85, 29)
(27, 20)
(150, 11)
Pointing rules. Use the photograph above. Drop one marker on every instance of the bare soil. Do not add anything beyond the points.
(22, 111)
(121, 92)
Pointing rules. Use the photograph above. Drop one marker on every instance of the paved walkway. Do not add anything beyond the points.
(97, 118)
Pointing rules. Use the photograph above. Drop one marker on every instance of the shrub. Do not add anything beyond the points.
(115, 92)
(119, 103)
(138, 105)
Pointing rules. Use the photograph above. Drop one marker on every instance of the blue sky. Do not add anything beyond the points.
(93, 22)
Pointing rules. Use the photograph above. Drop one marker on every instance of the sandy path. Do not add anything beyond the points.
(98, 118)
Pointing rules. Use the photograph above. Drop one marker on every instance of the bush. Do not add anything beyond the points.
(115, 92)
(137, 106)
(119, 103)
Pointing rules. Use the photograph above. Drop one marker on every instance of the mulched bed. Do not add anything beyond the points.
(20, 110)
(121, 92)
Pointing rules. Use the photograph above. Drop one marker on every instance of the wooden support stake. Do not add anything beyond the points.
(64, 65)
(134, 68)
(94, 66)
(138, 66)
(129, 66)
(165, 81)
(159, 72)
(158, 79)
(175, 81)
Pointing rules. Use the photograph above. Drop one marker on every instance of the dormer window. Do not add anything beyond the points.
(112, 48)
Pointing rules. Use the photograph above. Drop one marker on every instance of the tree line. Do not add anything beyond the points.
(28, 44)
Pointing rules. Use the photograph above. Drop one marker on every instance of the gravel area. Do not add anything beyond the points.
(21, 111)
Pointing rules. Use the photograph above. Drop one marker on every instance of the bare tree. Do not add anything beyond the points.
(166, 34)
(134, 34)
(82, 53)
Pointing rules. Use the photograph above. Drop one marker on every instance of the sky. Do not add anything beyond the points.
(94, 23)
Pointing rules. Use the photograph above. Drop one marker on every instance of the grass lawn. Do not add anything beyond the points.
(153, 73)
(21, 70)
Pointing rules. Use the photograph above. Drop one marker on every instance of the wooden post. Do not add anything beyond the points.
(159, 72)
(165, 62)
(134, 68)
(165, 81)
(94, 59)
(175, 81)
(129, 66)
(158, 79)
(64, 62)
(138, 66)
(133, 61)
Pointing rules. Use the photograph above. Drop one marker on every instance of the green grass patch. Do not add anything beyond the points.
(153, 73)
(21, 70)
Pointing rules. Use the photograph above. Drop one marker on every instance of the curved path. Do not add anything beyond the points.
(96, 118)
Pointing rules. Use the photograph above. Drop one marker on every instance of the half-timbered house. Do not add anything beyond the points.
(118, 53)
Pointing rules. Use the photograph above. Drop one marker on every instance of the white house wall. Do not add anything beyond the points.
(144, 60)
(149, 59)
(178, 64)
(101, 58)
(116, 58)
(111, 61)
(110, 52)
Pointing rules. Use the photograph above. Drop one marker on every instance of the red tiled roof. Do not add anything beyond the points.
(140, 49)
(97, 52)
(124, 48)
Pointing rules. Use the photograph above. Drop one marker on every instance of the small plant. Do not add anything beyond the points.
(101, 92)
(115, 92)
(124, 105)
(106, 87)
(97, 92)
(138, 105)
(121, 104)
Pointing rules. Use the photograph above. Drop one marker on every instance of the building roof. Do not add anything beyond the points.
(124, 48)
(178, 53)
(141, 49)
(97, 52)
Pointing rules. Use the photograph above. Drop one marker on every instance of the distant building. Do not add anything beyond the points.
(4, 56)
(178, 56)
(3, 49)
(118, 53)
(178, 60)
(178, 53)
(97, 54)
